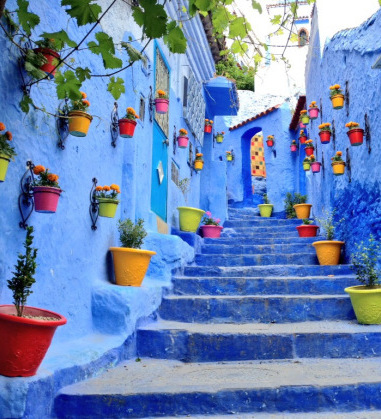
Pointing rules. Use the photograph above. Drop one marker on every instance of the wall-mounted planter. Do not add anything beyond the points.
(198, 165)
(302, 139)
(293, 147)
(364, 300)
(337, 101)
(79, 123)
(265, 209)
(208, 129)
(325, 137)
(25, 341)
(46, 198)
(4, 162)
(313, 113)
(328, 251)
(338, 168)
(127, 127)
(219, 138)
(190, 218)
(107, 207)
(182, 141)
(211, 231)
(356, 136)
(315, 167)
(302, 210)
(270, 143)
(161, 105)
(229, 157)
(309, 151)
(301, 125)
(308, 230)
(305, 119)
(52, 58)
(306, 167)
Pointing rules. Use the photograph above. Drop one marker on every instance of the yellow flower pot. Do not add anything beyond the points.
(265, 209)
(4, 162)
(337, 101)
(366, 303)
(190, 218)
(229, 157)
(338, 168)
(130, 265)
(219, 138)
(302, 210)
(305, 119)
(107, 207)
(79, 123)
(198, 165)
(306, 167)
(328, 251)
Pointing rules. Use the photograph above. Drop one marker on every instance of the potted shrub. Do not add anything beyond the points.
(190, 218)
(338, 165)
(229, 156)
(328, 251)
(79, 119)
(325, 132)
(307, 229)
(220, 137)
(313, 110)
(337, 96)
(309, 147)
(270, 141)
(7, 152)
(25, 332)
(355, 134)
(211, 228)
(161, 102)
(293, 146)
(107, 199)
(315, 165)
(304, 117)
(291, 200)
(46, 191)
(130, 262)
(199, 162)
(306, 164)
(302, 137)
(182, 139)
(128, 123)
(366, 298)
(47, 52)
(208, 126)
(266, 208)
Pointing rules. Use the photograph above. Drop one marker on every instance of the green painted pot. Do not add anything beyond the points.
(366, 303)
(107, 207)
(190, 218)
(4, 161)
(265, 209)
(305, 119)
(219, 138)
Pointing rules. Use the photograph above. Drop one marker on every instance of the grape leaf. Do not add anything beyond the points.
(25, 102)
(68, 85)
(276, 20)
(27, 19)
(175, 39)
(294, 37)
(221, 18)
(237, 28)
(60, 38)
(294, 7)
(238, 47)
(203, 5)
(84, 11)
(83, 73)
(116, 87)
(106, 49)
(256, 6)
(151, 17)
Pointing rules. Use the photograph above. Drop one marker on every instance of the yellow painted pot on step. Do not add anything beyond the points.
(265, 209)
(366, 303)
(337, 101)
(130, 265)
(190, 218)
(302, 210)
(4, 162)
(338, 168)
(328, 251)
(79, 123)
(198, 165)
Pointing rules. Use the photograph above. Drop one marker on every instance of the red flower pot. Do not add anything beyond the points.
(270, 143)
(208, 129)
(315, 167)
(356, 136)
(313, 112)
(309, 151)
(302, 139)
(161, 105)
(46, 198)
(307, 230)
(182, 141)
(293, 147)
(211, 231)
(325, 137)
(24, 342)
(127, 127)
(52, 57)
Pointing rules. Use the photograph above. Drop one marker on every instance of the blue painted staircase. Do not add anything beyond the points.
(255, 328)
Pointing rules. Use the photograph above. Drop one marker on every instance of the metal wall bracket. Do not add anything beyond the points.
(348, 165)
(62, 123)
(347, 97)
(367, 133)
(25, 200)
(114, 125)
(94, 206)
(151, 104)
(174, 139)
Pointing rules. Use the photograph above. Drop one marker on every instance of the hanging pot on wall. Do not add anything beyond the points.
(4, 162)
(325, 137)
(46, 198)
(107, 207)
(219, 138)
(338, 168)
(306, 166)
(198, 165)
(337, 101)
(302, 139)
(270, 143)
(208, 129)
(127, 127)
(182, 141)
(293, 147)
(79, 123)
(315, 167)
(161, 105)
(356, 136)
(309, 151)
(313, 113)
(52, 58)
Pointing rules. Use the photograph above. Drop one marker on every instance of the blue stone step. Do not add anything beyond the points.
(262, 286)
(218, 249)
(280, 239)
(256, 260)
(259, 235)
(263, 230)
(157, 388)
(256, 308)
(194, 342)
(262, 222)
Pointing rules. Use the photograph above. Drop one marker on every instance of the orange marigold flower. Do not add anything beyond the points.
(117, 191)
(199, 154)
(106, 188)
(86, 102)
(131, 110)
(161, 92)
(270, 137)
(183, 131)
(52, 177)
(2, 126)
(206, 120)
(312, 156)
(331, 87)
(114, 187)
(337, 86)
(9, 135)
(339, 153)
(84, 95)
(137, 116)
(38, 169)
(99, 188)
(211, 121)
(303, 111)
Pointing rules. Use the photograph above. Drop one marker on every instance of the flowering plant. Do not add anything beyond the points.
(131, 114)
(313, 104)
(110, 192)
(312, 158)
(45, 178)
(80, 105)
(326, 126)
(335, 90)
(303, 112)
(301, 134)
(228, 153)
(208, 220)
(221, 133)
(5, 147)
(48, 43)
(270, 137)
(161, 94)
(183, 132)
(352, 125)
(199, 156)
(293, 142)
(309, 144)
(337, 156)
(208, 122)
(306, 160)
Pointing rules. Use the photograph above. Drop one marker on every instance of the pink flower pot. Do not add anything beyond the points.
(208, 129)
(293, 147)
(325, 137)
(301, 125)
(315, 166)
(161, 105)
(309, 151)
(356, 136)
(46, 198)
(182, 141)
(313, 112)
(211, 231)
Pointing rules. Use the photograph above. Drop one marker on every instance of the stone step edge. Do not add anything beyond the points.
(230, 255)
(261, 278)
(256, 296)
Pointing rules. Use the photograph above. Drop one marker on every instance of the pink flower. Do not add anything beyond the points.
(217, 220)
(208, 213)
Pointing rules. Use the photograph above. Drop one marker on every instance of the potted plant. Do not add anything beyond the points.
(25, 332)
(306, 164)
(46, 191)
(293, 146)
(313, 110)
(48, 49)
(128, 123)
(302, 209)
(307, 229)
(266, 208)
(355, 134)
(338, 165)
(107, 199)
(211, 228)
(309, 147)
(208, 126)
(302, 137)
(301, 125)
(161, 102)
(325, 132)
(229, 156)
(366, 298)
(190, 218)
(337, 96)
(315, 165)
(220, 137)
(199, 162)
(182, 139)
(270, 141)
(328, 251)
(79, 119)
(7, 152)
(291, 200)
(304, 117)
(130, 262)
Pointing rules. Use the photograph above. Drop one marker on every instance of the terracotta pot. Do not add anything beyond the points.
(315, 166)
(211, 232)
(208, 129)
(127, 127)
(302, 139)
(313, 112)
(338, 168)
(328, 251)
(309, 230)
(309, 151)
(325, 137)
(79, 123)
(302, 210)
(356, 136)
(161, 105)
(270, 143)
(337, 101)
(182, 141)
(46, 198)
(53, 59)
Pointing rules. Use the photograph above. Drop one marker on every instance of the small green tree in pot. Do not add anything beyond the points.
(132, 235)
(291, 200)
(266, 208)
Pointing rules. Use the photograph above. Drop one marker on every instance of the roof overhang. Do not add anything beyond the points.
(221, 96)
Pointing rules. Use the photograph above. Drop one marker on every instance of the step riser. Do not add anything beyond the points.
(256, 310)
(275, 225)
(256, 260)
(260, 235)
(219, 249)
(233, 241)
(197, 347)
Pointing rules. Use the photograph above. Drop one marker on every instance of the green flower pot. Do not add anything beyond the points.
(107, 207)
(305, 119)
(265, 209)
(366, 303)
(190, 218)
(219, 138)
(4, 161)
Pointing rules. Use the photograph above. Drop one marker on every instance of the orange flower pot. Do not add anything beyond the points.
(302, 210)
(79, 123)
(338, 168)
(337, 101)
(198, 165)
(328, 251)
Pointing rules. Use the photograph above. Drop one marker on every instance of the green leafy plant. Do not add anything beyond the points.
(184, 186)
(266, 199)
(132, 235)
(5, 147)
(293, 199)
(365, 260)
(328, 223)
(23, 276)
(243, 75)
(307, 222)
